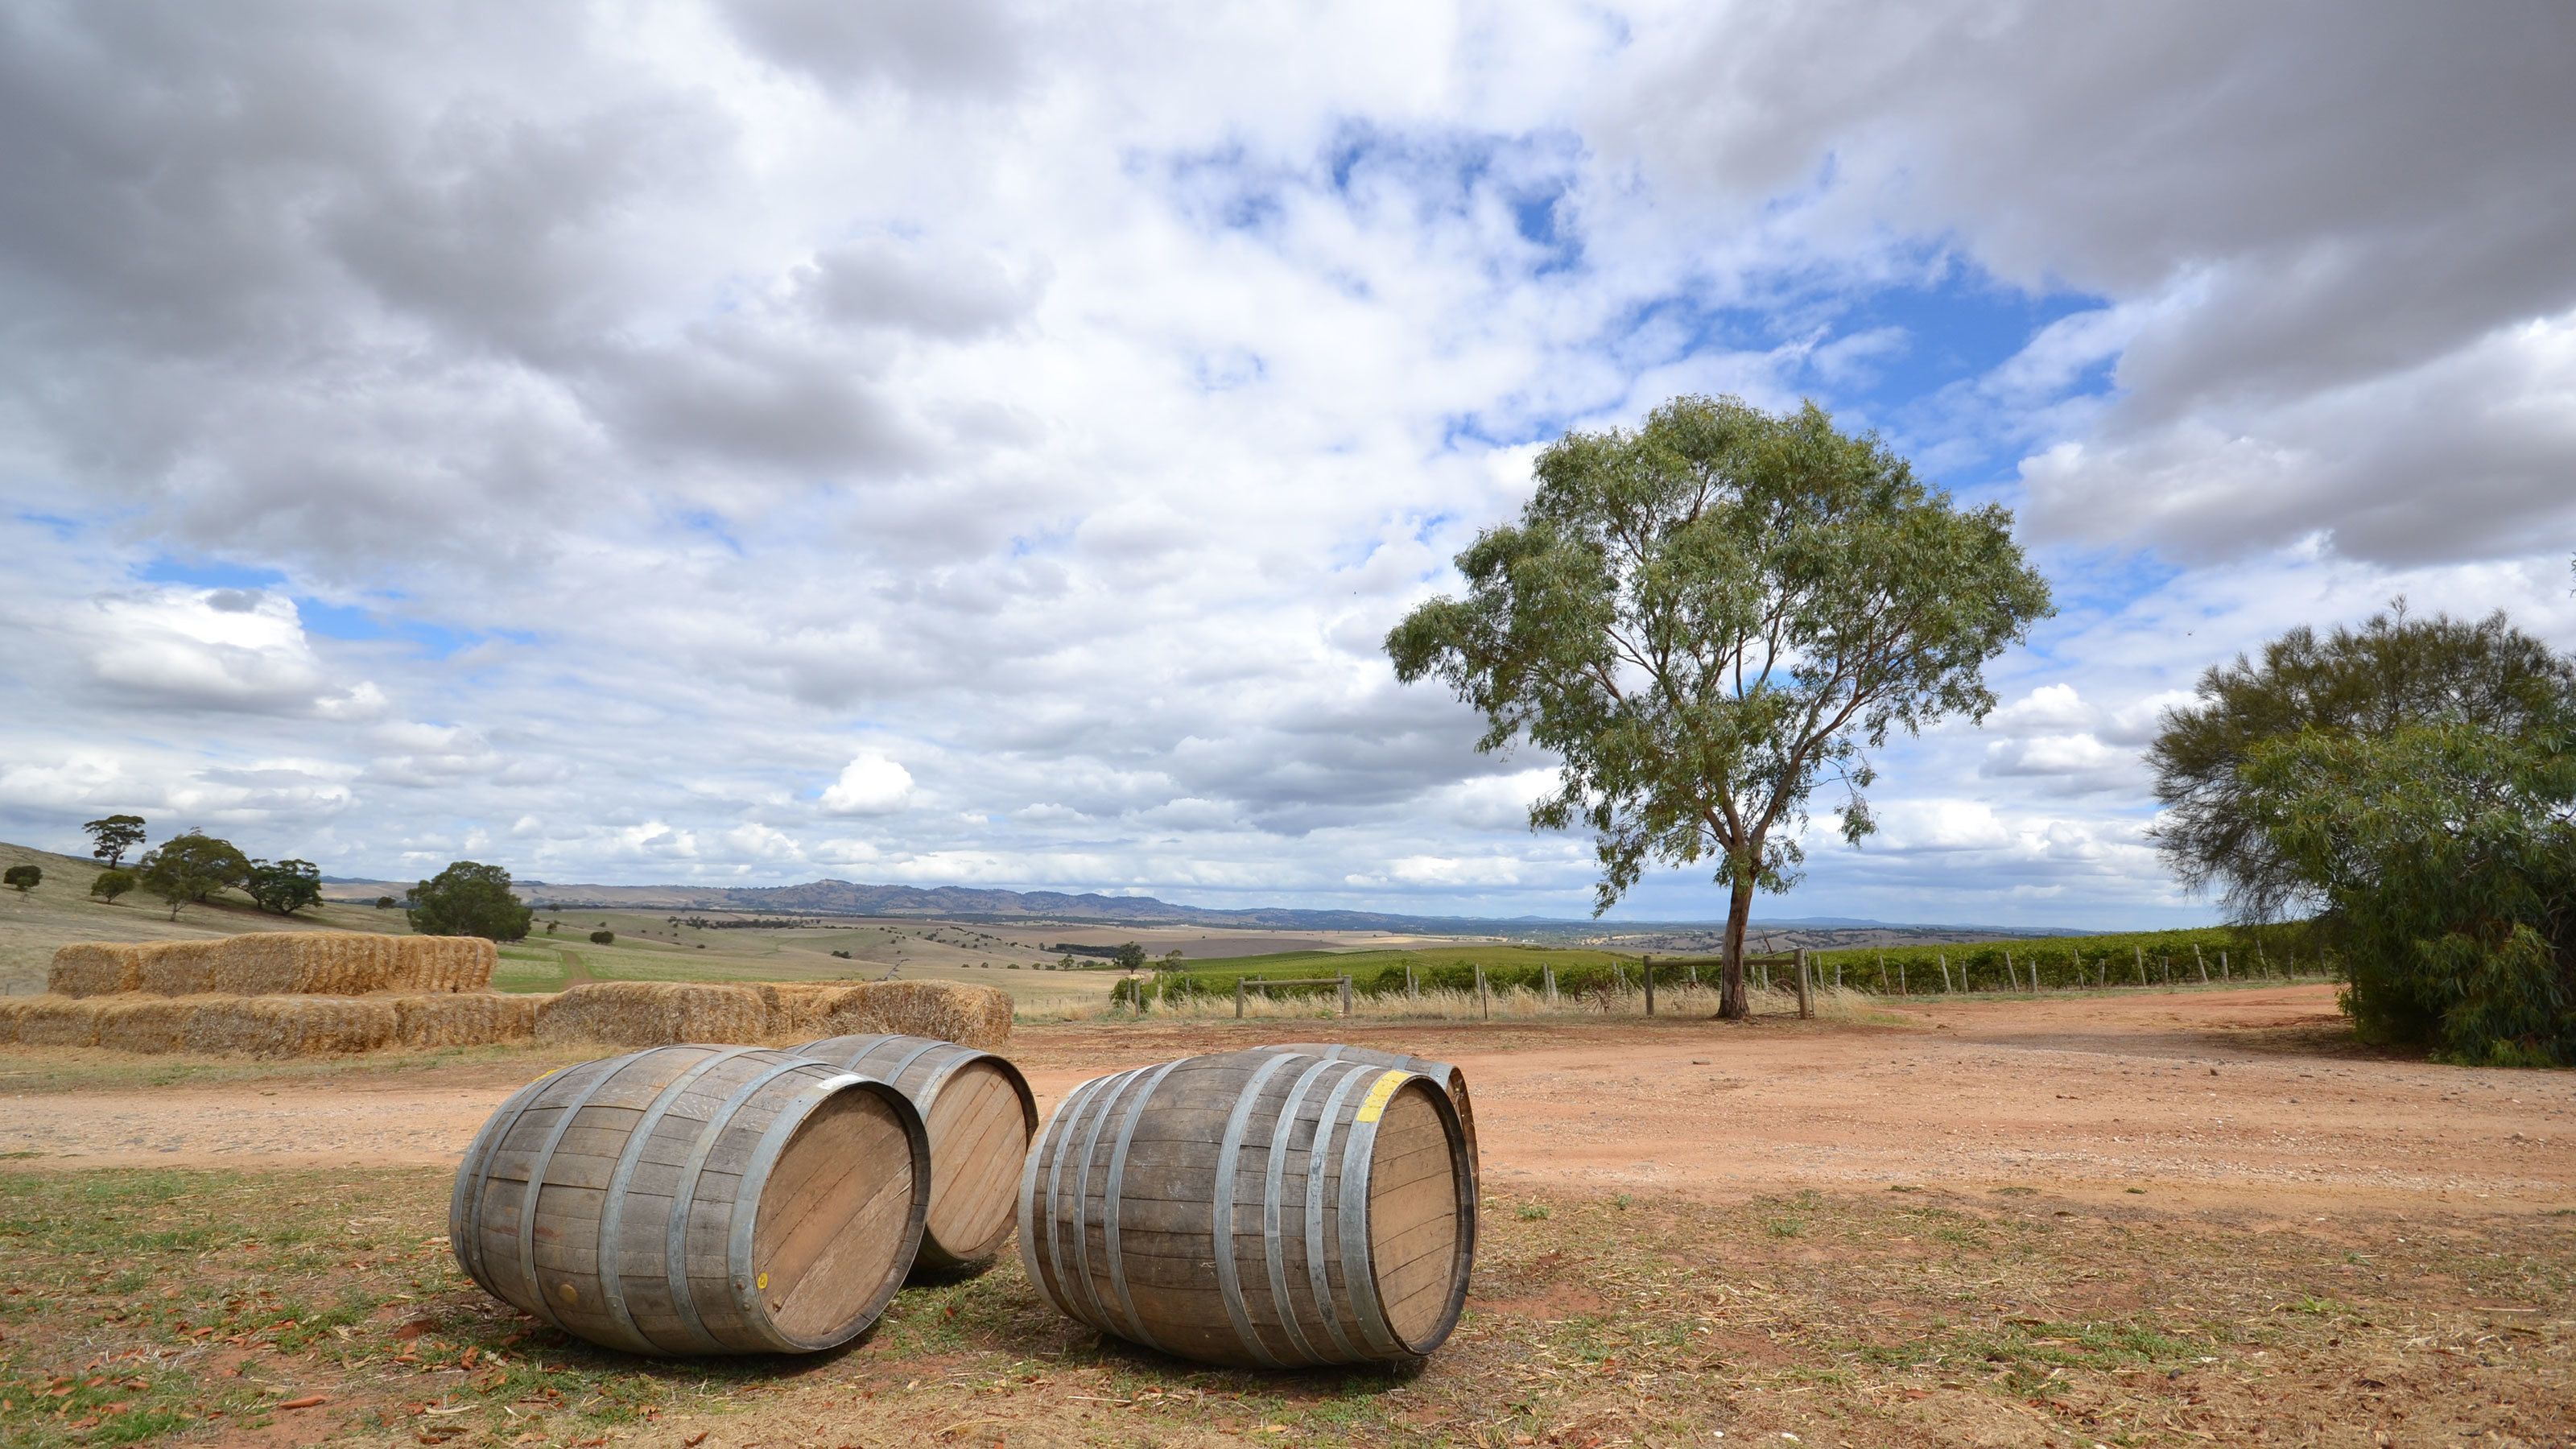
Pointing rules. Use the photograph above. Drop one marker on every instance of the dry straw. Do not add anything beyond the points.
(95, 968)
(975, 1016)
(51, 1021)
(148, 1024)
(290, 1026)
(276, 963)
(463, 1019)
(653, 1013)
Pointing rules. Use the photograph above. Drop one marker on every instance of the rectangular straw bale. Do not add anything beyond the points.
(179, 968)
(95, 968)
(797, 1010)
(975, 1016)
(654, 1013)
(263, 963)
(56, 1020)
(442, 963)
(147, 1023)
(463, 1019)
(291, 1026)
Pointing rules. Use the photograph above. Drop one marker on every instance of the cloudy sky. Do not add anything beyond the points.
(977, 444)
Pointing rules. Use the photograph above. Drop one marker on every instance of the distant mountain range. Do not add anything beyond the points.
(974, 903)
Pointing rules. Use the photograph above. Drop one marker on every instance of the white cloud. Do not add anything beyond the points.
(870, 784)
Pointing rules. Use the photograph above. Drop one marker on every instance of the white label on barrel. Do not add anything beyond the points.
(1373, 1106)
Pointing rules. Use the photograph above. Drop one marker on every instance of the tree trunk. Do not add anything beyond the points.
(1731, 1005)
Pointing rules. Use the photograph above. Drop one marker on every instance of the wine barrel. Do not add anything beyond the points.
(1259, 1208)
(980, 1116)
(1451, 1080)
(696, 1200)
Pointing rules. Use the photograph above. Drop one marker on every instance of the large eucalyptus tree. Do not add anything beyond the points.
(1703, 617)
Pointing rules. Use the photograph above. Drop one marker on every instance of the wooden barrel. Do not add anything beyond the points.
(1258, 1208)
(1451, 1080)
(695, 1200)
(980, 1116)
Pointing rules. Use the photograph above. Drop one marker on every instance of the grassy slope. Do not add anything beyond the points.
(61, 911)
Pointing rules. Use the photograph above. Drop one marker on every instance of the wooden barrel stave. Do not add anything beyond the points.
(980, 1115)
(1274, 1146)
(696, 1200)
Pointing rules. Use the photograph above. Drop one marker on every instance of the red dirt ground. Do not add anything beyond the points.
(2247, 1098)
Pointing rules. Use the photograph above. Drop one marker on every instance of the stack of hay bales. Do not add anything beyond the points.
(277, 963)
(271, 994)
(309, 993)
(663, 1013)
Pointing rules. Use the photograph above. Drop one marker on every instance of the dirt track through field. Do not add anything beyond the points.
(2248, 1098)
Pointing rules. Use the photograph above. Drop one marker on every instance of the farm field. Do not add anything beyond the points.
(2147, 1218)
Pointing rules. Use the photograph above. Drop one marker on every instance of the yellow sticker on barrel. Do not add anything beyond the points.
(1373, 1106)
(763, 1285)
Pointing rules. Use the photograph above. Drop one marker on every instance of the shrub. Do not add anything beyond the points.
(603, 938)
(469, 899)
(111, 884)
(24, 877)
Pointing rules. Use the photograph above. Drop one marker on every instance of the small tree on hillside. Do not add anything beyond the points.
(468, 899)
(113, 836)
(1131, 957)
(1704, 617)
(111, 884)
(23, 878)
(189, 868)
(284, 886)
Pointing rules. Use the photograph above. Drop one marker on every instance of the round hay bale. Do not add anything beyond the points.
(696, 1200)
(95, 968)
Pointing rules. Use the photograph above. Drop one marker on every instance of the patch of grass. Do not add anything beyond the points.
(224, 1294)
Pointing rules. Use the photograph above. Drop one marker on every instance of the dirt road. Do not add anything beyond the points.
(2249, 1098)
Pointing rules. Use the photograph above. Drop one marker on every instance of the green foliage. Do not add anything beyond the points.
(2447, 857)
(23, 878)
(189, 868)
(112, 883)
(468, 899)
(2065, 962)
(2392, 672)
(603, 938)
(114, 836)
(283, 886)
(1704, 618)
(386, 903)
(1131, 957)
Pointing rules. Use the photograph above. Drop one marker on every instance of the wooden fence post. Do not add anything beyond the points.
(2222, 968)
(1806, 1001)
(1882, 973)
(1547, 978)
(1346, 994)
(1945, 971)
(2200, 961)
(2140, 955)
(1238, 998)
(2010, 974)
(1900, 979)
(1692, 966)
(1482, 1000)
(1649, 969)
(1412, 989)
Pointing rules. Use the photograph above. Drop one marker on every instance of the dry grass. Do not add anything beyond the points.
(276, 963)
(266, 1026)
(188, 1306)
(653, 1013)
